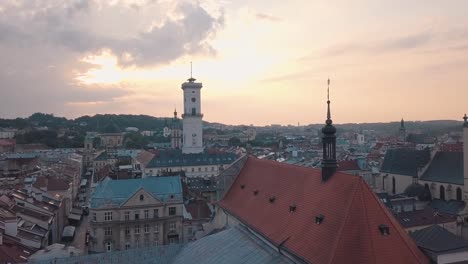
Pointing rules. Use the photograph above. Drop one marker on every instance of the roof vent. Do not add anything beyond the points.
(319, 219)
(272, 199)
(292, 208)
(242, 186)
(255, 192)
(384, 230)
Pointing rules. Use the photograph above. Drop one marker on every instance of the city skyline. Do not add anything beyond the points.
(260, 63)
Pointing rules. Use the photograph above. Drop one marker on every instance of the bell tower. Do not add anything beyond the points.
(192, 118)
(329, 163)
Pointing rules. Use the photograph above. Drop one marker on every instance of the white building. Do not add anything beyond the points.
(192, 122)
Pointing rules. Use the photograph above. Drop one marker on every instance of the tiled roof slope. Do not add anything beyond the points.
(405, 161)
(446, 167)
(352, 214)
(113, 193)
(347, 165)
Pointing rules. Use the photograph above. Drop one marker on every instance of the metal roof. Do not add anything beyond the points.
(446, 167)
(113, 193)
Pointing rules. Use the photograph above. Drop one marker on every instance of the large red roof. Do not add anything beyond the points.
(352, 214)
(348, 165)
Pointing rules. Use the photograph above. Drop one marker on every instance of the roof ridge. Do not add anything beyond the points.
(394, 223)
(340, 232)
(367, 219)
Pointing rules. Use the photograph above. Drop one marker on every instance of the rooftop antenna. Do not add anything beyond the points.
(191, 77)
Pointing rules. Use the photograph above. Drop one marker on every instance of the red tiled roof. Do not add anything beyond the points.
(352, 215)
(40, 182)
(145, 157)
(11, 251)
(198, 209)
(55, 184)
(7, 142)
(425, 217)
(348, 165)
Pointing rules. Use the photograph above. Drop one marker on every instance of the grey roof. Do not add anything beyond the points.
(449, 207)
(436, 240)
(175, 158)
(404, 161)
(446, 167)
(234, 245)
(148, 255)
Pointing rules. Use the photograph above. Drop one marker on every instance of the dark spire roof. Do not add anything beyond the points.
(175, 113)
(329, 163)
(402, 123)
(465, 124)
(328, 129)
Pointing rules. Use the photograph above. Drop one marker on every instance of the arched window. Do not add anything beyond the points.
(393, 185)
(459, 194)
(442, 192)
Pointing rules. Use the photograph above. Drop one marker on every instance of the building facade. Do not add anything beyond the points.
(136, 213)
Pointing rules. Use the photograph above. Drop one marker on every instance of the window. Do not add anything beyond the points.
(156, 213)
(94, 232)
(127, 230)
(108, 216)
(142, 197)
(127, 245)
(393, 185)
(194, 111)
(108, 246)
(137, 215)
(108, 231)
(459, 194)
(147, 242)
(172, 211)
(190, 231)
(172, 226)
(94, 217)
(206, 168)
(127, 215)
(156, 228)
(146, 214)
(146, 228)
(199, 169)
(137, 242)
(137, 229)
(194, 99)
(156, 241)
(193, 169)
(212, 168)
(442, 192)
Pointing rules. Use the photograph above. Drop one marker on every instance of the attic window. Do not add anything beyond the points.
(255, 192)
(292, 208)
(242, 186)
(319, 219)
(384, 230)
(142, 197)
(272, 199)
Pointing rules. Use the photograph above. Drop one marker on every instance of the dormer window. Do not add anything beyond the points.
(292, 208)
(384, 230)
(142, 197)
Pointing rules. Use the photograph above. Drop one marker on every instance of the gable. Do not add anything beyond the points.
(134, 200)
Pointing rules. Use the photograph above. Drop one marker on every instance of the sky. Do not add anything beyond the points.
(261, 62)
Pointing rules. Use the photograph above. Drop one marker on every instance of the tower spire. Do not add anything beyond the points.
(329, 163)
(465, 124)
(191, 79)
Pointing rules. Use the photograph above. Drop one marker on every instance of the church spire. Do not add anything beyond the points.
(175, 113)
(465, 124)
(329, 163)
(402, 123)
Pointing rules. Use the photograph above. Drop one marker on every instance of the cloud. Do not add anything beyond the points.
(267, 17)
(42, 44)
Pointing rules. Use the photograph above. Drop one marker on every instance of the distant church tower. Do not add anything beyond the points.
(402, 134)
(329, 163)
(176, 132)
(192, 117)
